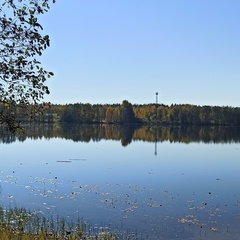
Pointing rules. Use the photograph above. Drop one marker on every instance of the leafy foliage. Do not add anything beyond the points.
(22, 79)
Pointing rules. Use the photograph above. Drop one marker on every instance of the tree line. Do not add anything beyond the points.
(175, 114)
(97, 113)
(127, 113)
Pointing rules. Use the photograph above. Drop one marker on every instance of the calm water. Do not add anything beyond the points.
(145, 188)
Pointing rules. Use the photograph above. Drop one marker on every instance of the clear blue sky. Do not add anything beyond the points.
(105, 51)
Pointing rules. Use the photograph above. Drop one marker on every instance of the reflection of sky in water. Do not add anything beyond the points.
(105, 182)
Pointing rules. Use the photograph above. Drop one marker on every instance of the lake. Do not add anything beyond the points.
(145, 182)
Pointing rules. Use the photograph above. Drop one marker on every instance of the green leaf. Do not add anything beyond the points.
(31, 11)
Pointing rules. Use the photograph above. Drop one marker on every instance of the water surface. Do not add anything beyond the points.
(148, 187)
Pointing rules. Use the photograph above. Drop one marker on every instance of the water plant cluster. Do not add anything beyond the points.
(22, 224)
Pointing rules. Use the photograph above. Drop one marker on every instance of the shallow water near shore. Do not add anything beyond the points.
(146, 189)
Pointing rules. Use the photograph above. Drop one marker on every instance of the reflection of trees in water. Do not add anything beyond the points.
(97, 132)
(125, 133)
(6, 136)
(187, 134)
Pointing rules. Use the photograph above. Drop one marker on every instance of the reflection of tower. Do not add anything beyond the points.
(155, 153)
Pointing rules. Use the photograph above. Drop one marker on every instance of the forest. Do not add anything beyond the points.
(160, 114)
(127, 113)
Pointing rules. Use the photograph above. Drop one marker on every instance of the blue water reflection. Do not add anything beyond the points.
(185, 191)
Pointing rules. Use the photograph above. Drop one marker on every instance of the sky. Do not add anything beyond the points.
(106, 51)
